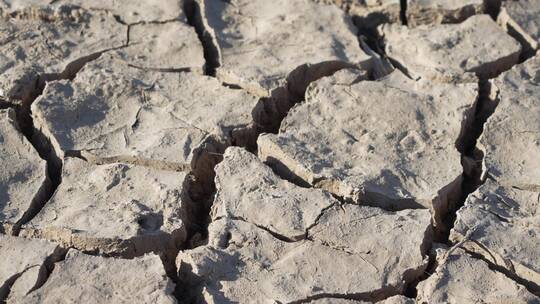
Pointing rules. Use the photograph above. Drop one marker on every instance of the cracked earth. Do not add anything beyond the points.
(254, 151)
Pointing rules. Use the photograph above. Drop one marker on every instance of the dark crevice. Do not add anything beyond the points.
(196, 18)
(5, 288)
(471, 160)
(231, 86)
(527, 50)
(492, 8)
(162, 70)
(48, 266)
(128, 34)
(168, 259)
(486, 103)
(202, 189)
(371, 296)
(403, 12)
(371, 42)
(471, 156)
(119, 20)
(5, 105)
(410, 289)
(173, 20)
(190, 286)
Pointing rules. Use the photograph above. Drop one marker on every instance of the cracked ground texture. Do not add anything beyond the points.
(254, 151)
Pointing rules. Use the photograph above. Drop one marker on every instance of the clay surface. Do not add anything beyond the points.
(90, 279)
(260, 43)
(244, 263)
(247, 189)
(340, 140)
(115, 209)
(136, 11)
(511, 137)
(49, 42)
(70, 35)
(255, 151)
(169, 46)
(501, 224)
(499, 221)
(129, 11)
(477, 283)
(448, 51)
(24, 262)
(114, 112)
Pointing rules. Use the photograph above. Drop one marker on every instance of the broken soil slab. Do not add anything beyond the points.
(52, 43)
(511, 137)
(446, 52)
(249, 190)
(441, 11)
(82, 278)
(169, 46)
(502, 224)
(369, 256)
(24, 182)
(137, 11)
(391, 143)
(56, 41)
(463, 279)
(261, 44)
(115, 209)
(520, 19)
(113, 112)
(24, 261)
(129, 11)
(11, 6)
